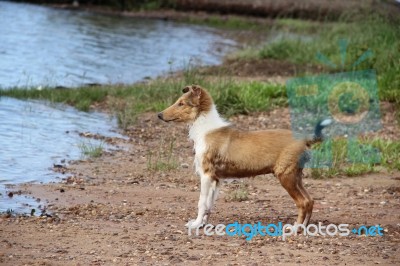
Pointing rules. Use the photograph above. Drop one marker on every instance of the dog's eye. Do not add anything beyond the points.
(181, 104)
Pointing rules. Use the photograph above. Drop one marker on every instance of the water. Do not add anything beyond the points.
(45, 46)
(41, 46)
(38, 136)
(42, 134)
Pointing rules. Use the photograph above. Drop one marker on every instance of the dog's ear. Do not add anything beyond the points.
(196, 90)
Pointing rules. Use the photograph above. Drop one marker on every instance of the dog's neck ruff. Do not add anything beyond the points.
(206, 123)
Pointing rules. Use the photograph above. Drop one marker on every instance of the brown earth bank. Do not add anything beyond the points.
(309, 9)
(306, 9)
(266, 69)
(322, 10)
(120, 210)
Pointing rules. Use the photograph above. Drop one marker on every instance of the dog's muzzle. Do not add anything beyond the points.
(160, 115)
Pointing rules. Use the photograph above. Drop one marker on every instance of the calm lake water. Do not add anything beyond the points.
(43, 46)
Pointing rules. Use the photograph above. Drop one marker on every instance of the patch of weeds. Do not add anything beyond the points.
(83, 105)
(246, 97)
(163, 159)
(385, 153)
(82, 98)
(91, 150)
(390, 153)
(241, 193)
(124, 111)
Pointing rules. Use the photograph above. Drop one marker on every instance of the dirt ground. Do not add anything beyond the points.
(115, 211)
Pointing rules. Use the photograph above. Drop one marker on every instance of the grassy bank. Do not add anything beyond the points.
(371, 42)
(126, 102)
(232, 97)
(298, 42)
(352, 159)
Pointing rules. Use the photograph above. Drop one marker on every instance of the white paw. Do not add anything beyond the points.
(194, 224)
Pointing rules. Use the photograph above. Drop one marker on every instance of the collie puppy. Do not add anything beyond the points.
(222, 151)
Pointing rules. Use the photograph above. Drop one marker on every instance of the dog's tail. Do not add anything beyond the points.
(318, 131)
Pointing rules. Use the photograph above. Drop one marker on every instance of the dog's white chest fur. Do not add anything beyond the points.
(204, 124)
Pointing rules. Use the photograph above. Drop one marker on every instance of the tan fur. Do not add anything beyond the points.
(237, 153)
(234, 153)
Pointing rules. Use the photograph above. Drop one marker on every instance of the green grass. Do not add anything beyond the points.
(127, 102)
(372, 32)
(91, 150)
(81, 98)
(358, 160)
(163, 159)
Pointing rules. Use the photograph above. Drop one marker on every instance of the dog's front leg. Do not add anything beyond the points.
(211, 198)
(205, 189)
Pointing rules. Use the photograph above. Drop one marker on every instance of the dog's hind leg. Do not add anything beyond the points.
(289, 175)
(288, 181)
(310, 201)
(205, 189)
(212, 197)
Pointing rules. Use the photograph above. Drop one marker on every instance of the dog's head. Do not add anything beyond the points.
(194, 101)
